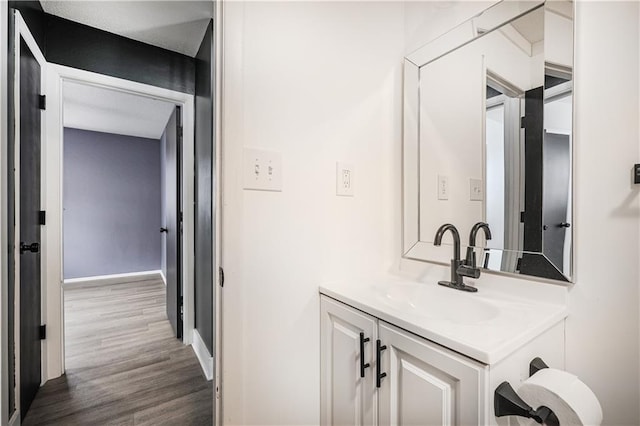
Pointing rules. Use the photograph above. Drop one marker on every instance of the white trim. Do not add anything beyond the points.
(203, 355)
(15, 419)
(218, 34)
(4, 223)
(163, 278)
(99, 280)
(54, 254)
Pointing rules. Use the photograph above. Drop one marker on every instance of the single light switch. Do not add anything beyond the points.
(476, 191)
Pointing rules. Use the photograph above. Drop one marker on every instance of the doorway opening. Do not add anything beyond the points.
(122, 197)
(123, 286)
(122, 263)
(148, 72)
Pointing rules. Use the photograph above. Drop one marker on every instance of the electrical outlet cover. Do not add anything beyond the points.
(443, 187)
(344, 179)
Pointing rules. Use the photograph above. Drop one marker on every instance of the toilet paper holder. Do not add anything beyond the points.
(506, 401)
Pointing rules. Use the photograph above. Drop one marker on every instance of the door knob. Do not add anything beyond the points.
(33, 247)
(164, 230)
(564, 225)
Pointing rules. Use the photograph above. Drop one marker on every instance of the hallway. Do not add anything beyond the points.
(124, 367)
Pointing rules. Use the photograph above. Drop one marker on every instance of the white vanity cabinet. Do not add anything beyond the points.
(442, 353)
(420, 383)
(426, 384)
(347, 398)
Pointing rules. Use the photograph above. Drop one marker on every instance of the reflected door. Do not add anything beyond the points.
(557, 174)
(173, 222)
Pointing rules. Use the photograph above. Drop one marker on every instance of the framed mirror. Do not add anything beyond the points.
(488, 112)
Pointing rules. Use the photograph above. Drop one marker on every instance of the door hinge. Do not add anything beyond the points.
(519, 264)
(181, 309)
(521, 217)
(42, 217)
(180, 131)
(42, 101)
(523, 122)
(43, 332)
(221, 276)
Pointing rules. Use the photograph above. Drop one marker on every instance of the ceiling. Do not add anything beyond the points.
(104, 110)
(531, 26)
(174, 25)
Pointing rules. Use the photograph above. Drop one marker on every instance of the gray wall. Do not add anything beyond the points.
(112, 201)
(205, 186)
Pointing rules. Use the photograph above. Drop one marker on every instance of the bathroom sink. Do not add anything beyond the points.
(486, 326)
(437, 303)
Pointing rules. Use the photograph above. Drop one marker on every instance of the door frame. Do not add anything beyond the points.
(21, 31)
(52, 187)
(4, 223)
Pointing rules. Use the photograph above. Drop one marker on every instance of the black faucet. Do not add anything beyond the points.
(457, 265)
(470, 259)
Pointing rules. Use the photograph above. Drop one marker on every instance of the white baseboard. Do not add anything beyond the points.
(203, 355)
(15, 419)
(112, 279)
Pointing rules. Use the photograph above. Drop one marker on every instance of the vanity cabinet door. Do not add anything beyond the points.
(426, 384)
(346, 397)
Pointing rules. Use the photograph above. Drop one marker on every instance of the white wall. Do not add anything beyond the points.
(319, 82)
(602, 329)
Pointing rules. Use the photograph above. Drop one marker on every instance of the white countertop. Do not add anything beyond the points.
(486, 326)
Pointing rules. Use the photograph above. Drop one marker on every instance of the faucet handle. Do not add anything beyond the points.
(468, 271)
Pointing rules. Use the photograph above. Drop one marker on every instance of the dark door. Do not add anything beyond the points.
(534, 260)
(556, 196)
(173, 221)
(30, 122)
(533, 131)
(205, 192)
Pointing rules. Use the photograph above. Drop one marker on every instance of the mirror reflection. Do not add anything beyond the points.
(494, 120)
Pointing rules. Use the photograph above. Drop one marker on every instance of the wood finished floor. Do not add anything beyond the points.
(124, 367)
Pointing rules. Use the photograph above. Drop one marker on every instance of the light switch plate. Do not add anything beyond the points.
(262, 170)
(443, 187)
(476, 190)
(344, 179)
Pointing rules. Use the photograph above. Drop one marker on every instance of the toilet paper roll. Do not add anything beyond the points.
(573, 402)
